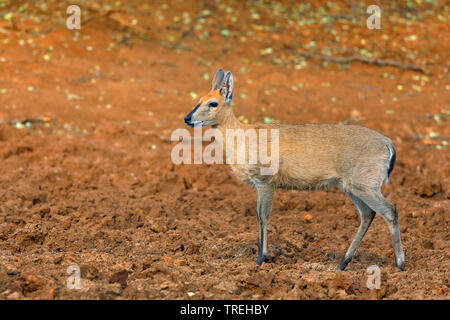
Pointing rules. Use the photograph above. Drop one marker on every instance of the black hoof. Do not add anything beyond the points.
(401, 267)
(343, 264)
(260, 260)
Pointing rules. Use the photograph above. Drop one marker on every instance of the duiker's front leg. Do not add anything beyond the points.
(263, 209)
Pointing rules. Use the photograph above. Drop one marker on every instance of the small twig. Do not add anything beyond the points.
(379, 62)
(45, 31)
(184, 34)
(82, 23)
(418, 138)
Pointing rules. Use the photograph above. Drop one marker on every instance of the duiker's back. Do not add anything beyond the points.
(315, 155)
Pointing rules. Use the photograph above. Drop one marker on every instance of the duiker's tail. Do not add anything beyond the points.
(392, 157)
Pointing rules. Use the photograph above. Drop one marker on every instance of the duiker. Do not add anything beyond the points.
(354, 158)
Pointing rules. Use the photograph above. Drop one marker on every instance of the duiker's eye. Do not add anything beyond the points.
(213, 104)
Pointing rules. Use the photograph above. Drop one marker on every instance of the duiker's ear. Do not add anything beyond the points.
(227, 87)
(218, 79)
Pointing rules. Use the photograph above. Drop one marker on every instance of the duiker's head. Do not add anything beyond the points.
(212, 108)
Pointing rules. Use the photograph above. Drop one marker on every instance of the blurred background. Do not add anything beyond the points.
(85, 122)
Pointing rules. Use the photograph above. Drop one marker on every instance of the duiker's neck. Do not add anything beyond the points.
(228, 120)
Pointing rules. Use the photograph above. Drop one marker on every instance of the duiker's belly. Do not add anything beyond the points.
(316, 156)
(299, 175)
(288, 176)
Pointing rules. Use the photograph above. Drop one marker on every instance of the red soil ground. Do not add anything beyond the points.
(93, 184)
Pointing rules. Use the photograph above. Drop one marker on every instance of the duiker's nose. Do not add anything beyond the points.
(188, 118)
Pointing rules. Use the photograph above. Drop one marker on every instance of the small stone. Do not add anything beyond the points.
(31, 284)
(427, 244)
(11, 271)
(120, 277)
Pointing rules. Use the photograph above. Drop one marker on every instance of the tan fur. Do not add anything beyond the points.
(314, 155)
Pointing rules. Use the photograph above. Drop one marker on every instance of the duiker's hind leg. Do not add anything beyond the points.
(367, 215)
(263, 209)
(385, 209)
